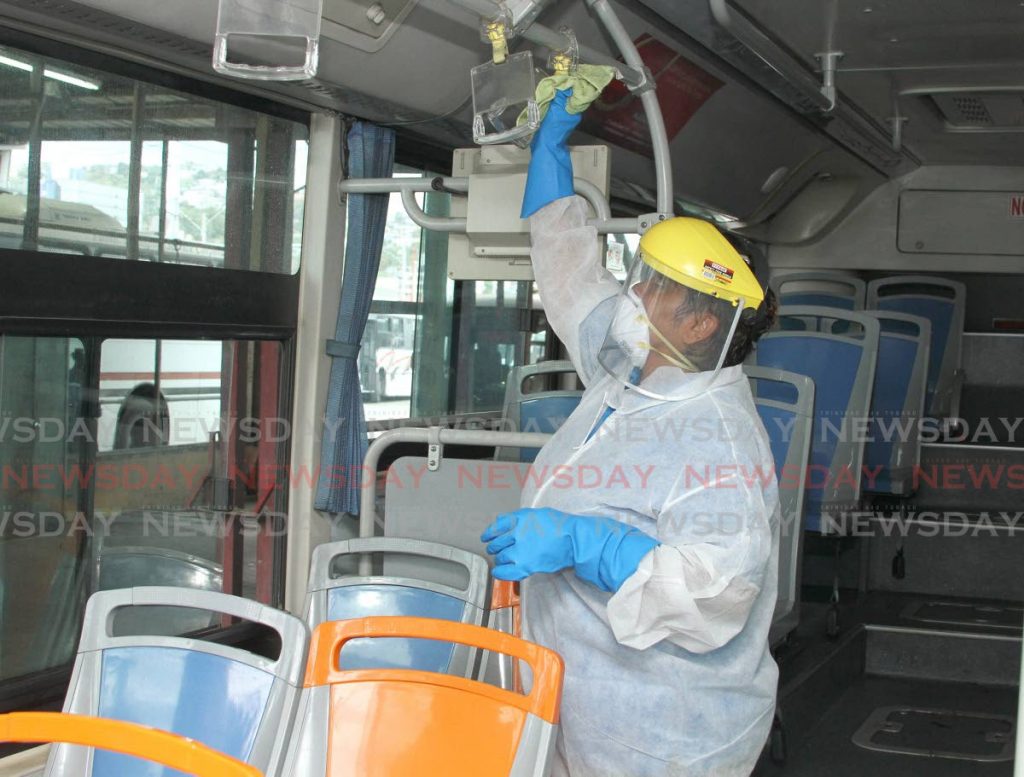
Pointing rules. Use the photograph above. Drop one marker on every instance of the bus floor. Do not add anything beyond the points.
(898, 695)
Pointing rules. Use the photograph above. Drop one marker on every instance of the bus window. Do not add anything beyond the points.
(132, 462)
(205, 186)
(433, 347)
(494, 330)
(179, 379)
(387, 353)
(41, 390)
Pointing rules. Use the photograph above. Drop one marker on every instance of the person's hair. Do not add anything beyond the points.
(753, 323)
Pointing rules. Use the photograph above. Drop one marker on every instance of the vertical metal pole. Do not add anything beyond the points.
(239, 206)
(1018, 767)
(463, 360)
(523, 295)
(30, 227)
(135, 172)
(158, 407)
(162, 227)
(89, 407)
(274, 197)
(269, 409)
(429, 392)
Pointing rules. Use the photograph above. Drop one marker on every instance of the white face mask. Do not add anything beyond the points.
(630, 330)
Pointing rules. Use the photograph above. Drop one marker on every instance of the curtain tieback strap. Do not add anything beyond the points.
(342, 350)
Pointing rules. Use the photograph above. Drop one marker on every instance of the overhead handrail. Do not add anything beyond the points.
(634, 73)
(822, 94)
(649, 100)
(755, 39)
(408, 187)
(632, 76)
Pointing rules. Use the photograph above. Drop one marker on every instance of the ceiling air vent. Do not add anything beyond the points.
(981, 111)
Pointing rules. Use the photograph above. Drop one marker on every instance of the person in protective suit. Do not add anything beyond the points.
(657, 581)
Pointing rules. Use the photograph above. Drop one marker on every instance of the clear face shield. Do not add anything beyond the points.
(666, 340)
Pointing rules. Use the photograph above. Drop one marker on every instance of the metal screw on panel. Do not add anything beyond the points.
(376, 13)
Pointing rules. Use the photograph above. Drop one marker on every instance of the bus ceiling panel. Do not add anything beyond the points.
(953, 70)
(420, 71)
(89, 34)
(951, 116)
(897, 34)
(728, 135)
(756, 57)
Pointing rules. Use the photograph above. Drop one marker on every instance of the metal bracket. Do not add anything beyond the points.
(435, 449)
(438, 185)
(524, 12)
(897, 122)
(647, 83)
(648, 220)
(829, 60)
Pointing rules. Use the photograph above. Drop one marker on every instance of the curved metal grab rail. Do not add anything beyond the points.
(409, 187)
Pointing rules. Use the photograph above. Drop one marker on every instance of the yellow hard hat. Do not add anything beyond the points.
(694, 253)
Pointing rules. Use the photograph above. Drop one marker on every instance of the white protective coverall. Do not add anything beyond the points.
(672, 675)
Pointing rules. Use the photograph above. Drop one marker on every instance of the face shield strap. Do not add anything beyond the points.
(728, 338)
(700, 380)
(674, 356)
(632, 340)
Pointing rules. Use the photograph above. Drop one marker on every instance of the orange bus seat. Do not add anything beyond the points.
(161, 747)
(398, 722)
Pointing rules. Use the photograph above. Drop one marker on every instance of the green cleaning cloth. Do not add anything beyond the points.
(586, 83)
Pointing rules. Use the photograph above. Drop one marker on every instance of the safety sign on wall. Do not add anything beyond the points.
(682, 88)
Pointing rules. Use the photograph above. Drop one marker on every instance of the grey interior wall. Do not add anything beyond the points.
(967, 560)
(994, 359)
(993, 392)
(868, 238)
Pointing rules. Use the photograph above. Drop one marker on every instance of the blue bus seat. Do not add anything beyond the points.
(788, 420)
(537, 411)
(229, 699)
(893, 449)
(820, 288)
(338, 592)
(942, 302)
(842, 366)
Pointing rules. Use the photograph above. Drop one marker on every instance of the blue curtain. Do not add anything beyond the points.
(371, 154)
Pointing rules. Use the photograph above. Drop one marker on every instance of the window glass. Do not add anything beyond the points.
(97, 164)
(132, 462)
(494, 332)
(433, 347)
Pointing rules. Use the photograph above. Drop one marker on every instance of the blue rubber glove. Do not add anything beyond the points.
(602, 551)
(549, 176)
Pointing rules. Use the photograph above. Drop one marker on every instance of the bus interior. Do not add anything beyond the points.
(269, 332)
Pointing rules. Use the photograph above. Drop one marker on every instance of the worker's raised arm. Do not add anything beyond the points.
(572, 280)
(566, 253)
